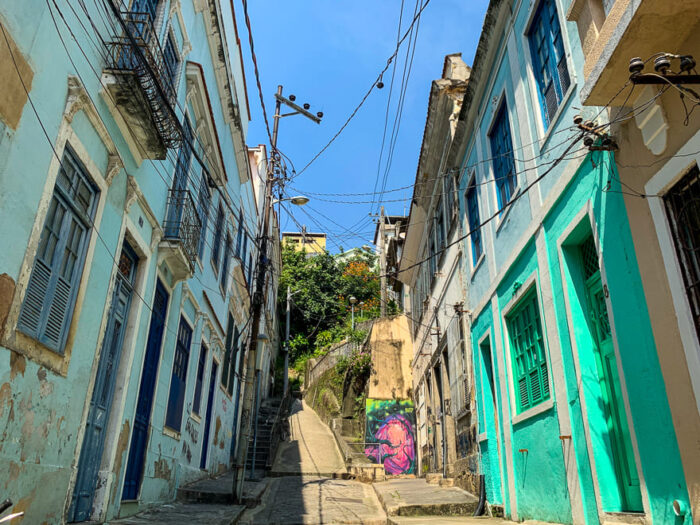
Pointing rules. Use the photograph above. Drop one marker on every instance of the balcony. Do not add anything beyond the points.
(141, 88)
(181, 231)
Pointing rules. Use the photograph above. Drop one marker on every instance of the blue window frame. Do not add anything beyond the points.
(48, 305)
(203, 204)
(472, 204)
(223, 278)
(218, 230)
(172, 61)
(146, 6)
(239, 235)
(548, 58)
(176, 398)
(197, 400)
(503, 161)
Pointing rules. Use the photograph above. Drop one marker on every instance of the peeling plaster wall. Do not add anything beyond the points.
(43, 408)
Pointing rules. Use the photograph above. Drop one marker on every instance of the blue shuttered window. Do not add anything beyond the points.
(203, 204)
(529, 360)
(218, 229)
(53, 284)
(197, 401)
(548, 59)
(146, 6)
(472, 202)
(503, 161)
(239, 235)
(176, 398)
(171, 61)
(223, 277)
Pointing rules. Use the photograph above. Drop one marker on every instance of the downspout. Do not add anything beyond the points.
(482, 497)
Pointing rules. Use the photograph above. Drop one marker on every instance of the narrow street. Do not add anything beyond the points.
(310, 488)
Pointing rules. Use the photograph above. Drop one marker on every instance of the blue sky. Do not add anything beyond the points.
(328, 53)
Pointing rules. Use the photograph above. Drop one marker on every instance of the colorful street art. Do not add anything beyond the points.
(390, 435)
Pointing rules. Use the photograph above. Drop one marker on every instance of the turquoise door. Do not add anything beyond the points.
(620, 451)
(101, 400)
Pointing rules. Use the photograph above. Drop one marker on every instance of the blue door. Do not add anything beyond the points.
(207, 421)
(144, 404)
(178, 382)
(101, 401)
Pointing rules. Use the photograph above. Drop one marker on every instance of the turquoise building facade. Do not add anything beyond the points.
(128, 223)
(572, 409)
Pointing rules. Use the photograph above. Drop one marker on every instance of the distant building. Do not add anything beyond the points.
(312, 243)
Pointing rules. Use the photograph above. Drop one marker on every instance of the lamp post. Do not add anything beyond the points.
(286, 343)
(353, 300)
(362, 303)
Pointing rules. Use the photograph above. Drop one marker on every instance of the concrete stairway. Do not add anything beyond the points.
(259, 448)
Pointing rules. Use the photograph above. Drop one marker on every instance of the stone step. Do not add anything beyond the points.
(417, 497)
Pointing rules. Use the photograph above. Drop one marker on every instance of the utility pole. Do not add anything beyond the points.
(259, 294)
(382, 265)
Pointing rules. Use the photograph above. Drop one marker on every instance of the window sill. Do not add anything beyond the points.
(167, 431)
(223, 389)
(557, 116)
(478, 264)
(534, 411)
(482, 437)
(195, 417)
(506, 210)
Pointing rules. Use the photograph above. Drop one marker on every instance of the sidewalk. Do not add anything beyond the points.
(311, 449)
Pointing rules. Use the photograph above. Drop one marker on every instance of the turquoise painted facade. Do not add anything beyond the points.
(87, 108)
(572, 408)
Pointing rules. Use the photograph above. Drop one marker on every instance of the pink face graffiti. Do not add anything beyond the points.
(394, 446)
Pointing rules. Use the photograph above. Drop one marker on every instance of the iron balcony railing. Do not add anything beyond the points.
(182, 223)
(137, 52)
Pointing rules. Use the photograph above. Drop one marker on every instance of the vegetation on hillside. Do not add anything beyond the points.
(321, 286)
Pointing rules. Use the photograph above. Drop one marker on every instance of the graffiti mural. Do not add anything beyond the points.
(390, 435)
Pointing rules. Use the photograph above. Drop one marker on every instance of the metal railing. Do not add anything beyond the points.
(278, 427)
(138, 52)
(182, 222)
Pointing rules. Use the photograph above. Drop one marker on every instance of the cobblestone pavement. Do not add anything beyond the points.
(185, 514)
(300, 500)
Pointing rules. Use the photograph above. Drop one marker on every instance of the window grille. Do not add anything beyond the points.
(683, 210)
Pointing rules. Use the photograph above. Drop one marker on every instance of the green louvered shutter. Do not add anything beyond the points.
(528, 354)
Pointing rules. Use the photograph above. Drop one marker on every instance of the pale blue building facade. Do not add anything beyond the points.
(571, 405)
(128, 223)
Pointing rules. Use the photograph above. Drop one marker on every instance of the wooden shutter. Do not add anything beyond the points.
(529, 364)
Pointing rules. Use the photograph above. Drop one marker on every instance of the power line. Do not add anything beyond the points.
(364, 98)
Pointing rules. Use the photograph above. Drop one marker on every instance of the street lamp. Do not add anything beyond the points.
(353, 300)
(297, 200)
(362, 303)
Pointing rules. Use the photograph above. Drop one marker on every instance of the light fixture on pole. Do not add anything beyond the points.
(362, 303)
(353, 300)
(297, 200)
